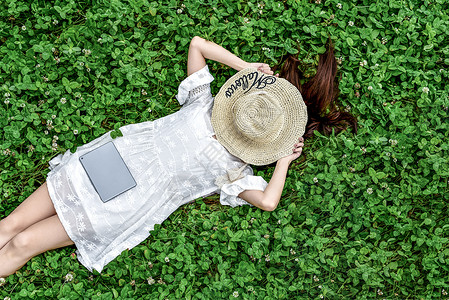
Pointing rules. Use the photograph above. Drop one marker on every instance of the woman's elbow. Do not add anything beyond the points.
(270, 204)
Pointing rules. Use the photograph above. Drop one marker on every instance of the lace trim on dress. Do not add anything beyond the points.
(230, 176)
(198, 90)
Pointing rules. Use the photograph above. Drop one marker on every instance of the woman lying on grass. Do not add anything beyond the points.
(204, 148)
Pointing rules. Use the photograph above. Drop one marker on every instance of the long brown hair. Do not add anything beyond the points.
(319, 94)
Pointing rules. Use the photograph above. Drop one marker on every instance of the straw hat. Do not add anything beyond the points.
(257, 117)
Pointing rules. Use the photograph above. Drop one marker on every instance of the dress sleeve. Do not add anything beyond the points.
(230, 191)
(194, 87)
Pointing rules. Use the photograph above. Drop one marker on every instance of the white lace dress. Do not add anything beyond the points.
(174, 160)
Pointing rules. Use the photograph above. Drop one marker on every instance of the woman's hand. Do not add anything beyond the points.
(264, 68)
(297, 150)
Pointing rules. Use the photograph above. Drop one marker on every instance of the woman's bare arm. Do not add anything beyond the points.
(200, 49)
(269, 199)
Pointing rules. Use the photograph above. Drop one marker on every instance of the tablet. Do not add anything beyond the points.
(107, 171)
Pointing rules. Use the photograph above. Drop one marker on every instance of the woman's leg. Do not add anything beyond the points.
(42, 236)
(35, 208)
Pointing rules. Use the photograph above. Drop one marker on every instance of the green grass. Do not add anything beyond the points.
(362, 216)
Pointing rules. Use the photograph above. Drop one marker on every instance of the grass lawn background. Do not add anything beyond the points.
(361, 216)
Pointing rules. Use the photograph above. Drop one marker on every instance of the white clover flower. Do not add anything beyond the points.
(321, 296)
(151, 280)
(260, 12)
(267, 257)
(88, 69)
(167, 259)
(395, 159)
(46, 132)
(292, 252)
(315, 278)
(443, 291)
(376, 65)
(68, 277)
(266, 236)
(384, 40)
(149, 109)
(370, 88)
(235, 294)
(53, 116)
(350, 23)
(369, 191)
(6, 101)
(364, 43)
(55, 22)
(245, 20)
(99, 39)
(7, 95)
(425, 90)
(339, 6)
(320, 286)
(24, 27)
(63, 100)
(353, 183)
(22, 105)
(388, 154)
(393, 142)
(363, 149)
(3, 280)
(6, 298)
(317, 1)
(38, 66)
(183, 5)
(144, 92)
(179, 11)
(315, 179)
(81, 63)
(344, 156)
(75, 131)
(379, 292)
